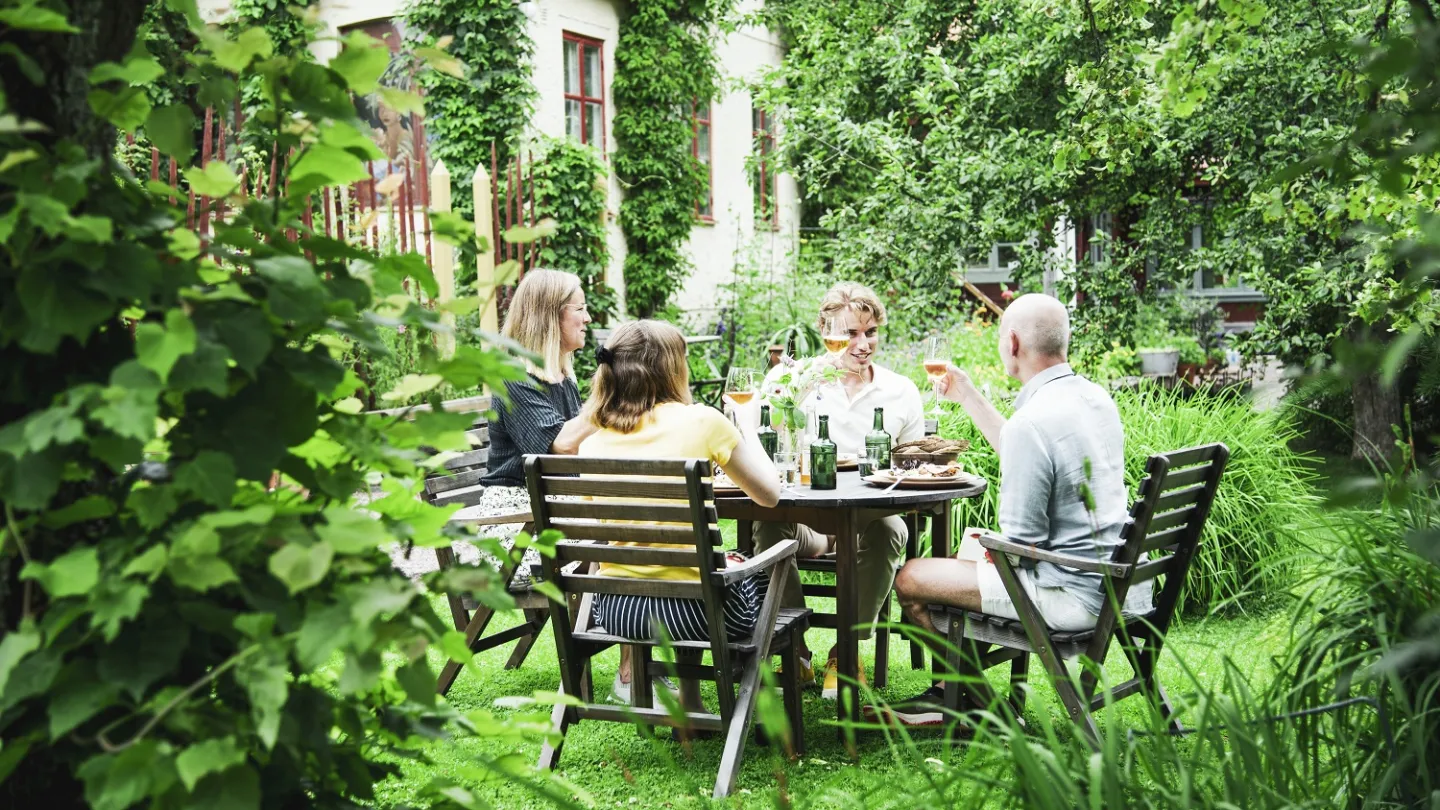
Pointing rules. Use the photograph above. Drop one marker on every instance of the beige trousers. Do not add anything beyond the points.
(882, 550)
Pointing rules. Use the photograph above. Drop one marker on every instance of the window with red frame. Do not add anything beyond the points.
(700, 149)
(766, 209)
(585, 90)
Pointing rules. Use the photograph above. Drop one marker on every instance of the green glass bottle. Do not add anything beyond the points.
(822, 458)
(877, 443)
(769, 439)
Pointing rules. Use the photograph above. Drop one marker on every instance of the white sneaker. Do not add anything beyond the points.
(620, 691)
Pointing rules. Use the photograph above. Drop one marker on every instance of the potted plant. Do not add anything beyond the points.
(1156, 344)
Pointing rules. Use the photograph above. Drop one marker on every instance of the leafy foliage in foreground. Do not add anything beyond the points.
(177, 631)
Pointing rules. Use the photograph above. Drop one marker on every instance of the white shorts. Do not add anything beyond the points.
(1060, 609)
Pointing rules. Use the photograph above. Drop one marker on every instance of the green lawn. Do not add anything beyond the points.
(611, 765)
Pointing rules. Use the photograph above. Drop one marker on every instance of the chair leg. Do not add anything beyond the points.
(1019, 672)
(1077, 706)
(689, 687)
(536, 618)
(559, 722)
(794, 712)
(882, 645)
(912, 550)
(737, 727)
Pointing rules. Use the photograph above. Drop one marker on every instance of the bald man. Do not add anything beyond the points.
(1062, 424)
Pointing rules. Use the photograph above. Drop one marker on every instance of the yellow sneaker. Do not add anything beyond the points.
(807, 672)
(830, 688)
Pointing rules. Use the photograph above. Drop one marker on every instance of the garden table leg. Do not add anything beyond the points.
(940, 543)
(846, 596)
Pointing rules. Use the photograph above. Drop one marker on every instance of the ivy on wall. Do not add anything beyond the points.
(664, 66)
(570, 189)
(494, 100)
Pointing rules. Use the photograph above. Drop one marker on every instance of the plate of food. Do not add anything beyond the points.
(846, 461)
(722, 485)
(926, 476)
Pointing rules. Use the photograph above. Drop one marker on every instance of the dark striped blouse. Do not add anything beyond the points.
(529, 423)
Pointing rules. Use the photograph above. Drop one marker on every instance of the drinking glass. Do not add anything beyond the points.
(936, 356)
(788, 465)
(742, 384)
(870, 461)
(836, 337)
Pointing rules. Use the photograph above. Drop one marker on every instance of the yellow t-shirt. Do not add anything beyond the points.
(673, 430)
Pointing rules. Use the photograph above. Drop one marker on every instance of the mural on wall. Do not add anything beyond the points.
(393, 132)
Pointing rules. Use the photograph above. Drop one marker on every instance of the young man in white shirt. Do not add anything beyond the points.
(850, 403)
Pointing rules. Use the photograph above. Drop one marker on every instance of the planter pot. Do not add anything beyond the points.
(1159, 362)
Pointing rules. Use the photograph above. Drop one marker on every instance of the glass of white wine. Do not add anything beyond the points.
(836, 336)
(936, 357)
(742, 384)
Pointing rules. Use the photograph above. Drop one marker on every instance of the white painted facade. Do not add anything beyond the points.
(714, 247)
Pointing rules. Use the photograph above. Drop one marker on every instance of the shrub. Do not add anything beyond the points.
(1266, 488)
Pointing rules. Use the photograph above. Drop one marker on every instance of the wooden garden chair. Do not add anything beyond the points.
(459, 483)
(669, 502)
(1159, 539)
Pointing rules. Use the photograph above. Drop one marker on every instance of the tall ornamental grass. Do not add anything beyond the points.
(1246, 554)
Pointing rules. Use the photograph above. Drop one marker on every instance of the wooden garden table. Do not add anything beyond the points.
(844, 512)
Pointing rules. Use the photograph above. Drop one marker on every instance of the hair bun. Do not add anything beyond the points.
(604, 356)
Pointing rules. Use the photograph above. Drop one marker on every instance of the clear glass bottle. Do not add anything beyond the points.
(769, 439)
(878, 443)
(822, 458)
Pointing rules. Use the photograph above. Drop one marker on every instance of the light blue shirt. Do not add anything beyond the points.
(1063, 423)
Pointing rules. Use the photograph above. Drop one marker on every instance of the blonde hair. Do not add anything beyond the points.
(534, 321)
(646, 366)
(847, 295)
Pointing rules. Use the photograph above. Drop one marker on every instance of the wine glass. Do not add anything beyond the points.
(742, 384)
(836, 336)
(936, 357)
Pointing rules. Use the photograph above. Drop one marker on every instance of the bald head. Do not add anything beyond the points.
(1041, 323)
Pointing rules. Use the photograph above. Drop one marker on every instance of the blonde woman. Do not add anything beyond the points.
(640, 405)
(539, 414)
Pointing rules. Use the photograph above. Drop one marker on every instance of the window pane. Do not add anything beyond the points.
(572, 120)
(1009, 255)
(572, 67)
(592, 72)
(704, 208)
(594, 124)
(702, 144)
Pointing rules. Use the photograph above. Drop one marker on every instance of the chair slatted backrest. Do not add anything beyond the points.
(460, 480)
(1162, 534)
(670, 502)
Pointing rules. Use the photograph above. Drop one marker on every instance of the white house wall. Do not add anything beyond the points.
(743, 56)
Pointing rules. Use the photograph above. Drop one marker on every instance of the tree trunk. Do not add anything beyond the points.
(1377, 408)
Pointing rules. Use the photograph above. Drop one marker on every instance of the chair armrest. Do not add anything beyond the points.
(765, 560)
(995, 542)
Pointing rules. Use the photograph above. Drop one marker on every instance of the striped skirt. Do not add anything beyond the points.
(639, 617)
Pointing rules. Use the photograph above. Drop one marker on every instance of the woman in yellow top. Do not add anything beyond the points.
(640, 403)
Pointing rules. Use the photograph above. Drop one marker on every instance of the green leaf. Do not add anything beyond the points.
(402, 101)
(238, 788)
(95, 230)
(300, 566)
(257, 515)
(152, 505)
(454, 646)
(235, 55)
(210, 756)
(34, 18)
(137, 71)
(378, 598)
(172, 129)
(550, 591)
(264, 679)
(79, 696)
(441, 61)
(13, 754)
(126, 109)
(215, 180)
(293, 271)
(72, 574)
(210, 476)
(200, 572)
(145, 652)
(116, 602)
(418, 681)
(158, 347)
(90, 507)
(413, 385)
(13, 159)
(350, 531)
(324, 165)
(149, 564)
(361, 62)
(323, 631)
(14, 646)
